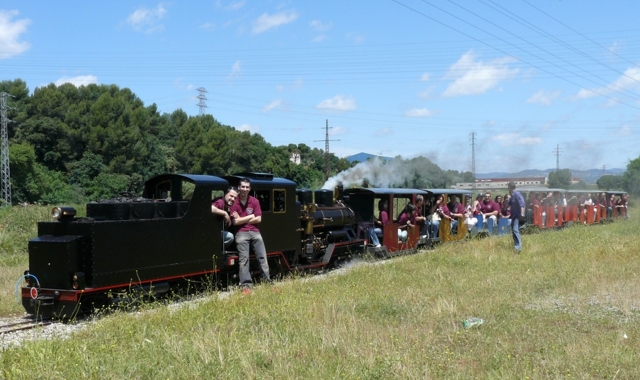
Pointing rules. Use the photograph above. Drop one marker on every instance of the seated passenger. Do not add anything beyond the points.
(418, 219)
(220, 206)
(489, 209)
(469, 220)
(455, 211)
(475, 208)
(404, 222)
(433, 220)
(505, 209)
(379, 223)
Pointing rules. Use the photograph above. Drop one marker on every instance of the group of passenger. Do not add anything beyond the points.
(614, 206)
(436, 210)
(242, 214)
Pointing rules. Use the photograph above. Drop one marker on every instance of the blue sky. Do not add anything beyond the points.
(404, 77)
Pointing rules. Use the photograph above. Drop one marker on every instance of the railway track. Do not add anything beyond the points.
(22, 326)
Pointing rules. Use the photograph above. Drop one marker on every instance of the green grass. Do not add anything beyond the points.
(560, 309)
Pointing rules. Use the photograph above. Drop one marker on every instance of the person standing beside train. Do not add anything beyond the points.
(517, 215)
(248, 234)
(222, 206)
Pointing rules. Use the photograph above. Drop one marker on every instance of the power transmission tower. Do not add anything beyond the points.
(4, 149)
(603, 171)
(327, 161)
(473, 158)
(557, 153)
(201, 97)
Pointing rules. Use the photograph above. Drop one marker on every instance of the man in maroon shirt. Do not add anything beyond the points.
(222, 206)
(455, 211)
(489, 209)
(248, 235)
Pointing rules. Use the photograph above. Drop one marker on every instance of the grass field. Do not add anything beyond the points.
(567, 307)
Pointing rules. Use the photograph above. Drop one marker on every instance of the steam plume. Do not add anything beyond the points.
(375, 170)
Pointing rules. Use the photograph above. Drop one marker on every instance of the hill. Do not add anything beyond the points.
(589, 176)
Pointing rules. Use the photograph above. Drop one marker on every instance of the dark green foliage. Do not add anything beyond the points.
(560, 179)
(610, 182)
(632, 177)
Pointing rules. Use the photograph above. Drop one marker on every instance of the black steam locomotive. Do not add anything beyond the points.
(169, 237)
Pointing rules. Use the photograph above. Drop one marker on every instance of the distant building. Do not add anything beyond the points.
(500, 183)
(295, 158)
(362, 157)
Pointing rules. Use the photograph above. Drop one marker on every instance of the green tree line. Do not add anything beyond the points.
(76, 144)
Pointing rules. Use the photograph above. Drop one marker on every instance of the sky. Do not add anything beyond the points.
(516, 84)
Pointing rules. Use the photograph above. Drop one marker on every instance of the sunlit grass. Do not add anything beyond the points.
(568, 306)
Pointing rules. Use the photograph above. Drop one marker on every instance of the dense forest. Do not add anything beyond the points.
(75, 144)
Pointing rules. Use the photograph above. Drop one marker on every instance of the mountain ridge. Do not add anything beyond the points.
(589, 176)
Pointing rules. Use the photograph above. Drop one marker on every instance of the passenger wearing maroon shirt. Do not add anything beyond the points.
(489, 209)
(248, 234)
(222, 206)
(454, 210)
(404, 222)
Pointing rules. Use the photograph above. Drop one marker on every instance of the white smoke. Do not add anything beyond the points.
(378, 172)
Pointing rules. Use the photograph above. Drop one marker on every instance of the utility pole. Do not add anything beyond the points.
(327, 161)
(4, 152)
(603, 171)
(557, 153)
(201, 97)
(473, 159)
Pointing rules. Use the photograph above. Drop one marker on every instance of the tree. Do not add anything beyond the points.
(560, 179)
(632, 177)
(610, 182)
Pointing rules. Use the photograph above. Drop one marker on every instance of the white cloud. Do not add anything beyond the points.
(319, 38)
(338, 103)
(509, 139)
(384, 132)
(208, 26)
(273, 105)
(81, 80)
(337, 130)
(426, 94)
(319, 26)
(232, 6)
(629, 80)
(291, 87)
(267, 21)
(529, 141)
(543, 98)
(10, 32)
(425, 77)
(476, 77)
(355, 37)
(235, 69)
(419, 112)
(623, 131)
(250, 128)
(147, 20)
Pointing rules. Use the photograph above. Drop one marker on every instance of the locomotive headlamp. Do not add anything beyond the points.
(64, 212)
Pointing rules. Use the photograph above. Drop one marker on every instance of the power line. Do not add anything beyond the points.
(4, 152)
(327, 158)
(557, 153)
(201, 97)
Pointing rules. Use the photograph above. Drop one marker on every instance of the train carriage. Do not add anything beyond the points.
(445, 234)
(364, 202)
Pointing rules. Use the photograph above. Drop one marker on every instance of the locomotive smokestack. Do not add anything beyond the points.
(339, 192)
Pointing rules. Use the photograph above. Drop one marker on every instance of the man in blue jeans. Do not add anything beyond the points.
(517, 214)
(247, 219)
